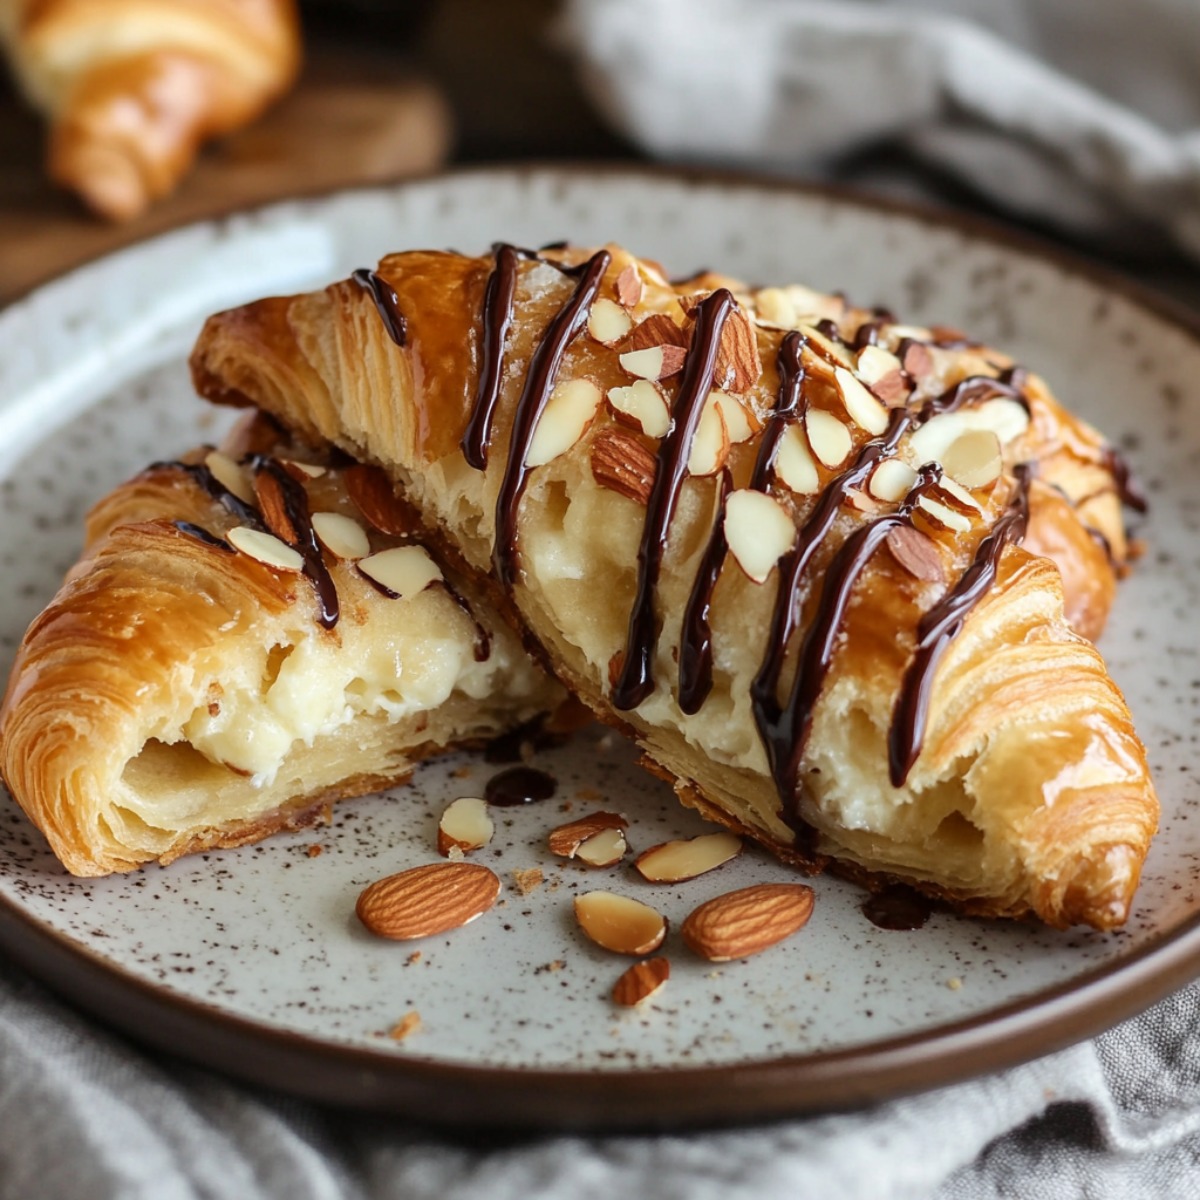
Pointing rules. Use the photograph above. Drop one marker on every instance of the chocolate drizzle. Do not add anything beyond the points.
(1128, 489)
(304, 539)
(975, 388)
(202, 535)
(565, 326)
(636, 680)
(497, 319)
(943, 622)
(387, 303)
(200, 474)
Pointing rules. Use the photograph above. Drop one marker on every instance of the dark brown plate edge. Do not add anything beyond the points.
(639, 1099)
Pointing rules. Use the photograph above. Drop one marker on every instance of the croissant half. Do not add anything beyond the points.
(132, 88)
(191, 686)
(794, 548)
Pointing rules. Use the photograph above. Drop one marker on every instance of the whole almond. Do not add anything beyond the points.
(269, 494)
(428, 900)
(917, 553)
(373, 495)
(623, 465)
(748, 921)
(640, 981)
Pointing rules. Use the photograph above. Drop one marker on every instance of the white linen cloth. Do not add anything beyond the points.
(84, 1114)
(1085, 113)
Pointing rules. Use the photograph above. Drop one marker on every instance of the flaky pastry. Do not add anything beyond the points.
(250, 635)
(775, 538)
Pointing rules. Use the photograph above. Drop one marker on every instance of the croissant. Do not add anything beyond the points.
(201, 681)
(133, 88)
(821, 565)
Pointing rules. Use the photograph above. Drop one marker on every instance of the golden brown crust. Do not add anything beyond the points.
(134, 88)
(1030, 791)
(177, 695)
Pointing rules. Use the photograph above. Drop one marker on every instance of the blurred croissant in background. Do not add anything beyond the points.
(133, 88)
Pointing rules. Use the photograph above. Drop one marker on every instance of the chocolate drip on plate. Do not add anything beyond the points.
(636, 679)
(942, 623)
(387, 303)
(519, 785)
(566, 325)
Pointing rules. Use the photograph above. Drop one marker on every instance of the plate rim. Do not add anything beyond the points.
(394, 1080)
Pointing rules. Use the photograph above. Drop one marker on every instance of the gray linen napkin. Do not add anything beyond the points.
(1086, 114)
(85, 1114)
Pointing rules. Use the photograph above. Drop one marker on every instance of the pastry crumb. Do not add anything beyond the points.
(315, 849)
(461, 773)
(954, 984)
(528, 880)
(557, 964)
(408, 1024)
(590, 793)
(413, 958)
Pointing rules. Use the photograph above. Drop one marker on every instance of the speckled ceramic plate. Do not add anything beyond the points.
(251, 960)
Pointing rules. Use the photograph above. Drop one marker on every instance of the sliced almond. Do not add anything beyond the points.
(629, 287)
(566, 839)
(466, 825)
(747, 921)
(608, 322)
(342, 535)
(273, 504)
(642, 405)
(1006, 418)
(865, 411)
(794, 463)
(374, 496)
(892, 480)
(655, 362)
(565, 419)
(759, 531)
(738, 366)
(916, 553)
(307, 470)
(657, 330)
(673, 862)
(623, 465)
(917, 360)
(874, 363)
(604, 849)
(641, 981)
(829, 438)
(929, 441)
(741, 423)
(942, 516)
(620, 924)
(957, 496)
(834, 353)
(812, 306)
(403, 571)
(893, 389)
(230, 476)
(861, 501)
(710, 447)
(973, 459)
(429, 900)
(265, 547)
(773, 306)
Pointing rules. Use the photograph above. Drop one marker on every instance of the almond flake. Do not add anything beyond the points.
(836, 354)
(565, 419)
(425, 901)
(865, 411)
(739, 924)
(608, 322)
(918, 360)
(642, 405)
(566, 839)
(641, 981)
(774, 307)
(957, 496)
(794, 463)
(973, 459)
(230, 476)
(829, 438)
(710, 447)
(310, 470)
(620, 924)
(274, 507)
(943, 517)
(740, 422)
(892, 480)
(655, 362)
(265, 547)
(629, 287)
(1006, 418)
(874, 362)
(673, 862)
(408, 1024)
(623, 465)
(604, 849)
(404, 571)
(466, 824)
(374, 496)
(759, 531)
(342, 535)
(893, 389)
(657, 330)
(916, 553)
(928, 442)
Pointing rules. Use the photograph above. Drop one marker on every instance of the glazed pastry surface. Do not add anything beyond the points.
(797, 549)
(133, 88)
(180, 694)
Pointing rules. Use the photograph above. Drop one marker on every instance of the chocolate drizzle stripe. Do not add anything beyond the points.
(695, 650)
(201, 475)
(636, 680)
(387, 303)
(975, 388)
(497, 319)
(305, 543)
(943, 622)
(539, 380)
(202, 535)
